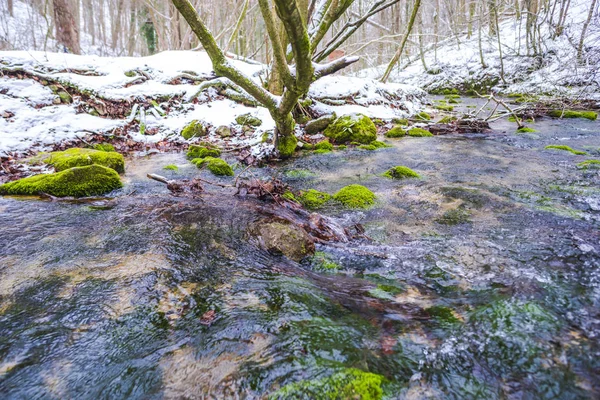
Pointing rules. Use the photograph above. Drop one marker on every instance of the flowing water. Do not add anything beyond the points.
(479, 280)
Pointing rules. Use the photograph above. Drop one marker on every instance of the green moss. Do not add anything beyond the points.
(90, 180)
(455, 217)
(65, 97)
(322, 151)
(591, 115)
(194, 129)
(322, 262)
(248, 120)
(378, 144)
(423, 116)
(313, 198)
(352, 128)
(400, 121)
(419, 132)
(452, 96)
(442, 314)
(446, 91)
(395, 132)
(324, 145)
(217, 166)
(196, 151)
(104, 147)
(289, 196)
(286, 145)
(565, 148)
(130, 74)
(342, 147)
(307, 102)
(299, 174)
(77, 157)
(589, 163)
(447, 119)
(369, 147)
(345, 385)
(443, 107)
(171, 167)
(355, 196)
(400, 172)
(525, 129)
(453, 101)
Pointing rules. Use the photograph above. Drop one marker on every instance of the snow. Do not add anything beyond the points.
(557, 72)
(31, 119)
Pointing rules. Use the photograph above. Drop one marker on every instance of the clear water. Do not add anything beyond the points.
(113, 299)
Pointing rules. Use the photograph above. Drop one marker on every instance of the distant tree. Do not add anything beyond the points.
(67, 25)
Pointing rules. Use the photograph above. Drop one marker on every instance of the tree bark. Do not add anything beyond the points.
(67, 26)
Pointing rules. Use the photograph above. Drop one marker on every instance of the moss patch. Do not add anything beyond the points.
(248, 120)
(400, 121)
(591, 115)
(447, 119)
(589, 163)
(322, 262)
(355, 196)
(215, 165)
(90, 180)
(352, 128)
(525, 129)
(324, 145)
(396, 132)
(286, 145)
(565, 148)
(347, 384)
(313, 198)
(77, 157)
(400, 172)
(419, 132)
(194, 129)
(423, 116)
(104, 147)
(455, 217)
(195, 151)
(171, 167)
(443, 107)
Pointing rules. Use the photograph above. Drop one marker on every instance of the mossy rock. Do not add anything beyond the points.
(324, 145)
(447, 119)
(223, 131)
(591, 115)
(90, 180)
(419, 132)
(215, 165)
(104, 147)
(396, 132)
(130, 74)
(453, 101)
(565, 148)
(525, 129)
(400, 121)
(345, 385)
(171, 167)
(455, 217)
(352, 128)
(400, 172)
(369, 147)
(355, 196)
(317, 125)
(198, 151)
(248, 120)
(443, 107)
(313, 199)
(444, 90)
(281, 237)
(194, 129)
(78, 157)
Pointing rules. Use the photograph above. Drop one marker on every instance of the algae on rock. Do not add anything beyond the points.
(215, 165)
(352, 128)
(400, 172)
(90, 180)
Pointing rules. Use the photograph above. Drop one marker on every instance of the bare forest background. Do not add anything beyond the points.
(381, 30)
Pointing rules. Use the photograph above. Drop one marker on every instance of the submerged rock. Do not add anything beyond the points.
(355, 196)
(78, 157)
(91, 180)
(352, 128)
(194, 129)
(282, 237)
(317, 125)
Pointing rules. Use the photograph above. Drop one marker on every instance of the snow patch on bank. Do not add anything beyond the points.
(556, 71)
(32, 119)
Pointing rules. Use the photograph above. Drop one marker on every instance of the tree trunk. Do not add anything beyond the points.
(67, 27)
(583, 31)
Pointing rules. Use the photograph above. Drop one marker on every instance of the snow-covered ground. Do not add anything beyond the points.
(32, 119)
(557, 71)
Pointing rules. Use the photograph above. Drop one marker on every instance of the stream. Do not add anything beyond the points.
(479, 280)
